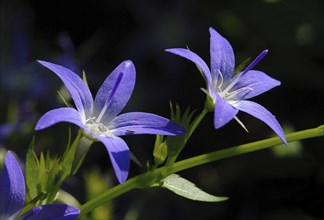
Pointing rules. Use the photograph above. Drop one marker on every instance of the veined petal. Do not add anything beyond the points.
(257, 83)
(12, 188)
(224, 112)
(79, 91)
(144, 123)
(195, 59)
(221, 55)
(262, 114)
(119, 155)
(117, 89)
(53, 212)
(60, 115)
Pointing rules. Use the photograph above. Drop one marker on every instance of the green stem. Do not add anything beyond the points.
(153, 177)
(172, 158)
(140, 181)
(246, 148)
(195, 123)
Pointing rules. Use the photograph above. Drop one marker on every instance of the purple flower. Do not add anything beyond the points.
(229, 94)
(99, 117)
(12, 197)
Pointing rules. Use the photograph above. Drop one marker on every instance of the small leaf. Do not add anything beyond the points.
(62, 98)
(3, 153)
(32, 166)
(160, 153)
(84, 78)
(187, 189)
(41, 172)
(68, 156)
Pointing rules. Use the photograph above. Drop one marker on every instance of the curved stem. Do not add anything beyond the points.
(140, 181)
(153, 177)
(245, 148)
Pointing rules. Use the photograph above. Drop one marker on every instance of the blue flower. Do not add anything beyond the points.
(12, 197)
(99, 117)
(229, 94)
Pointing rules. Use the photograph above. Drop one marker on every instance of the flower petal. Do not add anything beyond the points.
(256, 83)
(262, 114)
(12, 188)
(221, 55)
(224, 112)
(144, 123)
(53, 211)
(119, 155)
(79, 91)
(117, 90)
(59, 115)
(195, 59)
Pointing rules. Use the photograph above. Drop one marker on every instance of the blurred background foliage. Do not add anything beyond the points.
(95, 36)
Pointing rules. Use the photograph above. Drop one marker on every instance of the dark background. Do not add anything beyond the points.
(96, 36)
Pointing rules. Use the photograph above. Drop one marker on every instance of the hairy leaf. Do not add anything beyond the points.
(187, 189)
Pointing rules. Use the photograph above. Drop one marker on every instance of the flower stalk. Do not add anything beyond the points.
(154, 177)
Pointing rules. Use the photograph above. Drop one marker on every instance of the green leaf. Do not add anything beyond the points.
(66, 198)
(41, 172)
(68, 156)
(32, 166)
(61, 96)
(84, 78)
(3, 153)
(187, 189)
(160, 153)
(64, 95)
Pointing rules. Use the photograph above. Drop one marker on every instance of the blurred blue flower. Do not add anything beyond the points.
(13, 192)
(98, 117)
(229, 94)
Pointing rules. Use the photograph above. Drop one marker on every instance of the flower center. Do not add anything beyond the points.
(97, 128)
(227, 93)
(238, 94)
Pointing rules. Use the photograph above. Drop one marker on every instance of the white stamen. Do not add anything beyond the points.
(222, 80)
(97, 127)
(231, 95)
(230, 86)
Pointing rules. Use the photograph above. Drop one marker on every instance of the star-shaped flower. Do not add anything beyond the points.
(99, 117)
(229, 94)
(13, 192)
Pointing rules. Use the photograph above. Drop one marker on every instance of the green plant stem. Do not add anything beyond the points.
(172, 158)
(133, 183)
(246, 148)
(195, 123)
(154, 177)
